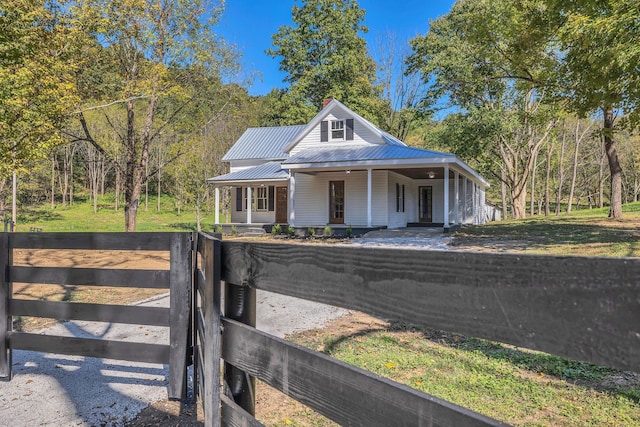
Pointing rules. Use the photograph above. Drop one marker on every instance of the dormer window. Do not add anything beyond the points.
(337, 130)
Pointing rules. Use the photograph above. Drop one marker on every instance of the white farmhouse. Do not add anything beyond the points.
(343, 171)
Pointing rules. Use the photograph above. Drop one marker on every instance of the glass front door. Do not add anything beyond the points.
(336, 202)
(426, 204)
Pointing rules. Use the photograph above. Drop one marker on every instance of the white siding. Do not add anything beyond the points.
(312, 198)
(361, 135)
(400, 219)
(238, 165)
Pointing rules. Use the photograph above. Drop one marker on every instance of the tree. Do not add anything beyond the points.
(325, 56)
(487, 57)
(158, 53)
(38, 62)
(599, 69)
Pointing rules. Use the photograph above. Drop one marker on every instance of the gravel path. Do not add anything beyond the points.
(58, 390)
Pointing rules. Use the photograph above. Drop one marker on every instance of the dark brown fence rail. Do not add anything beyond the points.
(578, 307)
(177, 280)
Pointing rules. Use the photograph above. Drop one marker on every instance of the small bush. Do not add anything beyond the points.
(349, 231)
(217, 228)
(311, 231)
(290, 231)
(327, 231)
(276, 229)
(234, 230)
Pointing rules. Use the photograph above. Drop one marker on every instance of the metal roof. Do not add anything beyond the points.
(376, 152)
(267, 172)
(263, 143)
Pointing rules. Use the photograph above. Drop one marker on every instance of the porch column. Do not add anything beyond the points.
(369, 220)
(456, 201)
(464, 200)
(291, 201)
(474, 204)
(216, 219)
(249, 197)
(446, 196)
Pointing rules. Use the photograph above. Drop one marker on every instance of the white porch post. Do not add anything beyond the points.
(216, 215)
(474, 204)
(446, 196)
(369, 219)
(456, 201)
(464, 200)
(291, 201)
(249, 198)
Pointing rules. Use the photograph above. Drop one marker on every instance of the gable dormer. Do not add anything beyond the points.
(336, 126)
(336, 130)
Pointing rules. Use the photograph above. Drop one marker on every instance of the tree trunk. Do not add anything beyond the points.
(561, 170)
(533, 184)
(53, 181)
(547, 185)
(503, 190)
(574, 173)
(519, 197)
(615, 169)
(131, 183)
(601, 176)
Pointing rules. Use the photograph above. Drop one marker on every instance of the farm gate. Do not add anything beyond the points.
(177, 280)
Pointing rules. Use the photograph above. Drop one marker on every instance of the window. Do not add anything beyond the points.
(399, 197)
(337, 129)
(261, 198)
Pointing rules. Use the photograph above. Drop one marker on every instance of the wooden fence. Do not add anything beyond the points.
(578, 307)
(177, 280)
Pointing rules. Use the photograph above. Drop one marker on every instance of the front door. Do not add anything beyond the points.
(426, 204)
(281, 205)
(336, 202)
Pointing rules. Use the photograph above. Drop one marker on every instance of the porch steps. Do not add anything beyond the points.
(254, 231)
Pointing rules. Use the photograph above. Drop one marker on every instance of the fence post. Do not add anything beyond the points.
(240, 305)
(179, 313)
(212, 339)
(5, 318)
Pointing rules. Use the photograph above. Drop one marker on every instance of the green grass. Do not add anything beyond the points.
(516, 386)
(584, 232)
(80, 217)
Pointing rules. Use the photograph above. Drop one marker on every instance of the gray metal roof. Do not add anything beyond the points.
(263, 143)
(377, 152)
(267, 172)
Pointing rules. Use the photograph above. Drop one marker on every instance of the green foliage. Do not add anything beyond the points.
(234, 230)
(325, 56)
(291, 231)
(327, 231)
(276, 229)
(311, 231)
(38, 61)
(349, 231)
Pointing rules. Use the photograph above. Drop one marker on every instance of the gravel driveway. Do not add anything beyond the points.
(58, 390)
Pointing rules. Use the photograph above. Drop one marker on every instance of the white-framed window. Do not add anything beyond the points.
(399, 197)
(337, 129)
(261, 198)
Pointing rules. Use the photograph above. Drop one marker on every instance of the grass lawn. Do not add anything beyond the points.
(81, 217)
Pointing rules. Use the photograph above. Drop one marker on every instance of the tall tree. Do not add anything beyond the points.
(158, 53)
(38, 61)
(486, 58)
(599, 69)
(325, 56)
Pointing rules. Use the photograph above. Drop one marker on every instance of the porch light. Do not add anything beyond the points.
(431, 174)
(347, 171)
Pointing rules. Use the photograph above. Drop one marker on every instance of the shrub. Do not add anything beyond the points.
(327, 231)
(234, 230)
(311, 231)
(217, 228)
(349, 231)
(276, 229)
(290, 230)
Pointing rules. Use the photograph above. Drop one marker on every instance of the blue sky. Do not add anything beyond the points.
(250, 23)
